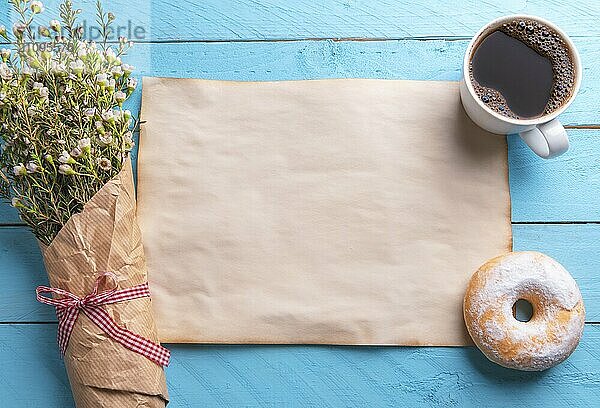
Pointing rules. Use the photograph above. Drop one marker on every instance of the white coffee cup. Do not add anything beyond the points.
(545, 135)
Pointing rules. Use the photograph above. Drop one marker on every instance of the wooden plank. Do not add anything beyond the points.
(21, 268)
(315, 376)
(406, 59)
(562, 189)
(575, 247)
(21, 271)
(300, 19)
(36, 377)
(571, 180)
(8, 215)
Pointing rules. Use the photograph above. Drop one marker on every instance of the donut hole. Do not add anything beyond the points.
(522, 310)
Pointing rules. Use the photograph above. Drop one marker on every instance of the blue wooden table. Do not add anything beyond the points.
(555, 204)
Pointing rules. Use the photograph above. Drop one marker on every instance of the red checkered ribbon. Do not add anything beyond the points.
(68, 307)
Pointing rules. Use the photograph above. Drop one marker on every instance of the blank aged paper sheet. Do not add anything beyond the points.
(326, 211)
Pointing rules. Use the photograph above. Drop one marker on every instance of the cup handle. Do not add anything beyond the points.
(547, 140)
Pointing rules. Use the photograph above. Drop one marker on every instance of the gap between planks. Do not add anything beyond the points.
(335, 39)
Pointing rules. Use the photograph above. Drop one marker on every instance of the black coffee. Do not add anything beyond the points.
(522, 70)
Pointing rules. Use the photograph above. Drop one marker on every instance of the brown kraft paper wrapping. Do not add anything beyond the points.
(326, 211)
(106, 237)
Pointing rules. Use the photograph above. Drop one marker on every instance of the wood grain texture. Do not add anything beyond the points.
(21, 271)
(573, 191)
(298, 60)
(562, 189)
(315, 376)
(575, 246)
(220, 20)
(8, 215)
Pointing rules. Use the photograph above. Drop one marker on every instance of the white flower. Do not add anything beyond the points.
(15, 202)
(19, 170)
(32, 167)
(104, 163)
(120, 97)
(26, 71)
(43, 31)
(44, 93)
(118, 114)
(122, 40)
(19, 29)
(108, 115)
(2, 30)
(59, 69)
(106, 139)
(65, 158)
(85, 145)
(76, 152)
(100, 55)
(82, 52)
(66, 170)
(5, 53)
(90, 112)
(55, 25)
(111, 84)
(110, 55)
(77, 66)
(131, 83)
(116, 71)
(127, 69)
(37, 7)
(41, 89)
(102, 79)
(128, 142)
(5, 72)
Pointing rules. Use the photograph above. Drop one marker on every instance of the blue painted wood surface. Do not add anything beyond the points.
(555, 207)
(259, 20)
(316, 376)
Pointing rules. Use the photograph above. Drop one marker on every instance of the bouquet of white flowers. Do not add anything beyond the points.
(65, 140)
(64, 128)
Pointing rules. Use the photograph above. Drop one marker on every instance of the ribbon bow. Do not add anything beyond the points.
(68, 307)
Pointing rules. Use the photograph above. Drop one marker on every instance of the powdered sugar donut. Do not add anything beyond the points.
(558, 317)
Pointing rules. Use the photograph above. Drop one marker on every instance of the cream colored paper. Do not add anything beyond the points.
(330, 211)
